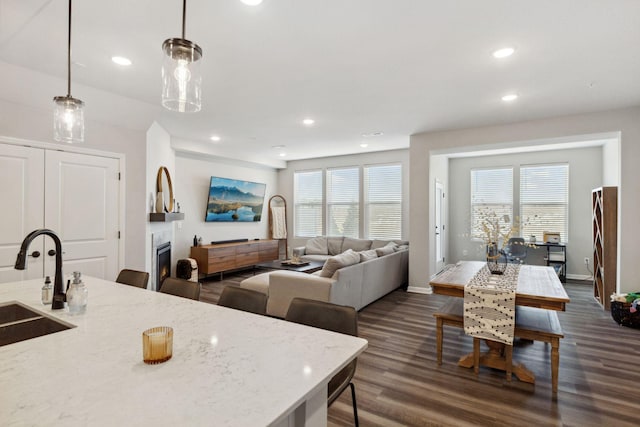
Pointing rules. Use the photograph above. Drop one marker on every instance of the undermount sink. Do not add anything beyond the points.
(19, 322)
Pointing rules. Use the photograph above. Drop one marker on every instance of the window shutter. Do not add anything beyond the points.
(308, 203)
(383, 201)
(544, 200)
(491, 192)
(343, 199)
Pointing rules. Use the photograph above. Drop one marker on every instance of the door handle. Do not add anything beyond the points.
(35, 254)
(51, 252)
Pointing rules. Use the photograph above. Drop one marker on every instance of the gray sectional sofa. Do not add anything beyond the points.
(321, 248)
(349, 277)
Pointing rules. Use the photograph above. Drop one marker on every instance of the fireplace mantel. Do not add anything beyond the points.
(166, 216)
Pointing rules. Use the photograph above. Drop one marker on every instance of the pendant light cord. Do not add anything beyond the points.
(69, 55)
(184, 14)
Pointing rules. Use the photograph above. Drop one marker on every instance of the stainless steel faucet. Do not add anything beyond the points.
(21, 264)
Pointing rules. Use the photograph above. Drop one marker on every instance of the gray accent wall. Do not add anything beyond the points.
(285, 181)
(585, 174)
(623, 124)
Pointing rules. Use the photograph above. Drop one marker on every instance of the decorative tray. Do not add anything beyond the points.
(295, 263)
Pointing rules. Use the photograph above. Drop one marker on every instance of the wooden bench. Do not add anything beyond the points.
(533, 324)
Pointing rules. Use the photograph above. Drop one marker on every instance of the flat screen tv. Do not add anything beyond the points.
(232, 200)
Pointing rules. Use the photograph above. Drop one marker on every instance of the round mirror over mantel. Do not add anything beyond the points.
(164, 190)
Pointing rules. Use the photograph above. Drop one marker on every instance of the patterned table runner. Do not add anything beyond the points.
(489, 304)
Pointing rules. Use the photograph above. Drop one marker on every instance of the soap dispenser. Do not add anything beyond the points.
(47, 291)
(77, 295)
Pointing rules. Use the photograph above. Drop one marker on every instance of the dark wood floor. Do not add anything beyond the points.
(399, 383)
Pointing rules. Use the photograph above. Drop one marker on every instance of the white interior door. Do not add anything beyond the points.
(82, 205)
(439, 227)
(22, 189)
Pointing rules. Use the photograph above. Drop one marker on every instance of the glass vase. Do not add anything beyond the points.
(496, 259)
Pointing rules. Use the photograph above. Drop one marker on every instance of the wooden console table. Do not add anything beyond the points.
(223, 257)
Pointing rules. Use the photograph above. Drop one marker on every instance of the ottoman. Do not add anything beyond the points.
(259, 282)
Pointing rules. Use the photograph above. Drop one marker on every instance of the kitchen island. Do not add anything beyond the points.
(229, 368)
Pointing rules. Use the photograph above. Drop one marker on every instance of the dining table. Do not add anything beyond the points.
(537, 286)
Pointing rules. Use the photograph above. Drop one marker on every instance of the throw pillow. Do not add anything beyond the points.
(317, 246)
(337, 262)
(368, 255)
(334, 245)
(379, 243)
(356, 244)
(385, 250)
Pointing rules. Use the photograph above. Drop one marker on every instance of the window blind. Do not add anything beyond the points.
(544, 200)
(491, 193)
(343, 202)
(308, 203)
(383, 201)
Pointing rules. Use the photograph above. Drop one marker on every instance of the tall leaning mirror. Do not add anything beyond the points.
(164, 191)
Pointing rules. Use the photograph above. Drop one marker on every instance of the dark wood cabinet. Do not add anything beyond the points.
(604, 202)
(230, 256)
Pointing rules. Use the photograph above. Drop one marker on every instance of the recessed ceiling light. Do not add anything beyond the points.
(251, 2)
(215, 138)
(308, 122)
(283, 154)
(504, 52)
(121, 60)
(510, 97)
(364, 145)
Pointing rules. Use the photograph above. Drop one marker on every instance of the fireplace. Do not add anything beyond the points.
(163, 263)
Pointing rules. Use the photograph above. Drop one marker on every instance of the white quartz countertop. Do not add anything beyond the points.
(229, 368)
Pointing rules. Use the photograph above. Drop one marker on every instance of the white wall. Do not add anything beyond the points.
(159, 154)
(20, 121)
(585, 174)
(625, 121)
(285, 181)
(191, 185)
(611, 163)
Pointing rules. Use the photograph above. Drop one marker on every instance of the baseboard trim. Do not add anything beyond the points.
(420, 290)
(579, 277)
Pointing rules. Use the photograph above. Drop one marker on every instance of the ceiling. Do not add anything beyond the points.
(356, 67)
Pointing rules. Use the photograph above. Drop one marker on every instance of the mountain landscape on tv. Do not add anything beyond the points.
(228, 202)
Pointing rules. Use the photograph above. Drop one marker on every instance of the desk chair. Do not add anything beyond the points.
(181, 288)
(243, 299)
(139, 279)
(336, 318)
(516, 250)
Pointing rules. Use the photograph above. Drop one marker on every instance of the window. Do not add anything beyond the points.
(544, 200)
(308, 203)
(383, 201)
(491, 192)
(343, 202)
(327, 202)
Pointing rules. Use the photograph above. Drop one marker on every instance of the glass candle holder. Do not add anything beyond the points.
(157, 345)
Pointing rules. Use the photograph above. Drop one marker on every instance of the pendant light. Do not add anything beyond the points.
(68, 113)
(181, 79)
